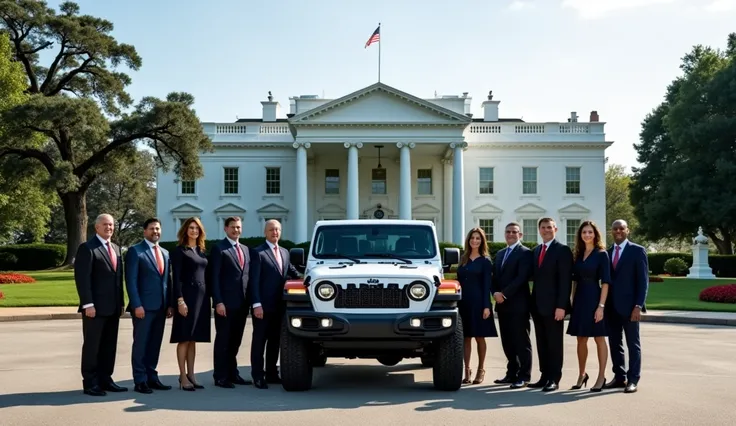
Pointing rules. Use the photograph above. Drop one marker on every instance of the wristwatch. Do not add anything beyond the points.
(601, 305)
(637, 306)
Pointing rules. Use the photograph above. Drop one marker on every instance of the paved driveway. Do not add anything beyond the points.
(689, 377)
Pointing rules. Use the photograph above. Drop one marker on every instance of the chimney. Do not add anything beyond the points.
(490, 108)
(270, 110)
(594, 117)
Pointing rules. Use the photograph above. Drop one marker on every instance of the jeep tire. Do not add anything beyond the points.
(447, 368)
(296, 368)
(319, 359)
(389, 360)
(427, 360)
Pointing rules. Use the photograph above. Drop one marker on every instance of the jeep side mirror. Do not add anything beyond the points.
(297, 257)
(452, 257)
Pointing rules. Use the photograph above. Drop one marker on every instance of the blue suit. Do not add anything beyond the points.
(148, 288)
(629, 287)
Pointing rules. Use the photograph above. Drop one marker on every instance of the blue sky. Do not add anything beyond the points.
(542, 58)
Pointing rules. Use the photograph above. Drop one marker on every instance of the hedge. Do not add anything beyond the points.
(723, 265)
(31, 257)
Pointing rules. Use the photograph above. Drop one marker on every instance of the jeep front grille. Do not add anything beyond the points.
(371, 296)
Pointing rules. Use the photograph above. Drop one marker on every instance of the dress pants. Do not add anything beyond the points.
(148, 333)
(229, 335)
(266, 337)
(514, 328)
(99, 349)
(619, 325)
(549, 336)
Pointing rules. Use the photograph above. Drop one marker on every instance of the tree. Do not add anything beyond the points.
(24, 204)
(688, 152)
(618, 201)
(66, 103)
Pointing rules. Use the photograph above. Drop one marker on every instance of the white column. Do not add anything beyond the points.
(447, 200)
(458, 193)
(353, 185)
(300, 210)
(405, 180)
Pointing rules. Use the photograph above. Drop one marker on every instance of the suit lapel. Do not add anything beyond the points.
(509, 257)
(105, 255)
(149, 255)
(231, 252)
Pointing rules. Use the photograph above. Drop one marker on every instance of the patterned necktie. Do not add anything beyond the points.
(615, 256)
(113, 258)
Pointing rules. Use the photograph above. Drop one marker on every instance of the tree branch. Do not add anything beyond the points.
(54, 65)
(31, 153)
(67, 78)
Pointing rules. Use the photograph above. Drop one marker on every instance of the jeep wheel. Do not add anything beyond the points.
(296, 370)
(447, 370)
(427, 360)
(389, 361)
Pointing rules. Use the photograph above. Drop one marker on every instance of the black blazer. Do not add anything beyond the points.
(512, 279)
(270, 289)
(553, 280)
(96, 281)
(229, 282)
(630, 280)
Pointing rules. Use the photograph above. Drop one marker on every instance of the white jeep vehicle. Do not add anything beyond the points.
(372, 289)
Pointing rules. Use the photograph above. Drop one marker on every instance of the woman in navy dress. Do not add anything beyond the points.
(190, 299)
(474, 276)
(591, 277)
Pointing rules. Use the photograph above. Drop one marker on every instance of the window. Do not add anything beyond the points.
(332, 181)
(273, 180)
(530, 230)
(487, 226)
(485, 180)
(231, 180)
(188, 187)
(424, 182)
(529, 180)
(378, 181)
(572, 180)
(571, 229)
(406, 241)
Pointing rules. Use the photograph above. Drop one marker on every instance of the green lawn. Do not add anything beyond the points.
(56, 288)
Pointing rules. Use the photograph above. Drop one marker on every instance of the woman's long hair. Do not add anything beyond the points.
(580, 244)
(183, 236)
(482, 250)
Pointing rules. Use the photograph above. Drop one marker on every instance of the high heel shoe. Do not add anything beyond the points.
(194, 383)
(594, 389)
(582, 383)
(479, 377)
(189, 387)
(468, 373)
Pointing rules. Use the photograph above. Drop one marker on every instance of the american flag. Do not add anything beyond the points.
(375, 37)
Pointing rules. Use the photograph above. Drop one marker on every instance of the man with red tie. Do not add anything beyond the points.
(268, 309)
(149, 284)
(234, 269)
(552, 275)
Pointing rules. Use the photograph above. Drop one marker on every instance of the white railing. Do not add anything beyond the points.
(230, 129)
(536, 128)
(270, 129)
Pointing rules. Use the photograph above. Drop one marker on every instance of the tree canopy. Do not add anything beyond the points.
(688, 153)
(618, 200)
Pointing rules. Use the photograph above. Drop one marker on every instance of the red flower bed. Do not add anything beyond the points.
(719, 294)
(655, 279)
(15, 278)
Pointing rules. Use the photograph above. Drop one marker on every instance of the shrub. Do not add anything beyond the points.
(675, 266)
(655, 279)
(719, 294)
(31, 257)
(15, 279)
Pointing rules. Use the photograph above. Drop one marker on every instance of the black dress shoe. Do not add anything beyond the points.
(95, 391)
(240, 381)
(551, 386)
(519, 384)
(260, 384)
(142, 388)
(156, 384)
(113, 387)
(224, 384)
(631, 388)
(504, 381)
(615, 384)
(540, 384)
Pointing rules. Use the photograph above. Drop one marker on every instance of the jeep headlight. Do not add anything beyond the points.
(325, 291)
(418, 291)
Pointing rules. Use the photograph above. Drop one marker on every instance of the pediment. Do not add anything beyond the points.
(331, 208)
(530, 208)
(574, 208)
(230, 208)
(273, 208)
(186, 208)
(425, 208)
(487, 208)
(380, 103)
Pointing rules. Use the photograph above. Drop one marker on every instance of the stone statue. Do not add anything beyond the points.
(700, 238)
(270, 96)
(700, 268)
(490, 95)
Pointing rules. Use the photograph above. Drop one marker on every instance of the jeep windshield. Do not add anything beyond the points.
(403, 242)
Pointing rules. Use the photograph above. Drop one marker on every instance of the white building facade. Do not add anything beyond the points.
(383, 153)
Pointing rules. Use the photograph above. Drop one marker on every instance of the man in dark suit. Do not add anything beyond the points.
(626, 296)
(234, 268)
(98, 274)
(268, 310)
(512, 271)
(552, 266)
(148, 281)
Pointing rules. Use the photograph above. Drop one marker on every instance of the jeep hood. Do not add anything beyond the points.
(374, 270)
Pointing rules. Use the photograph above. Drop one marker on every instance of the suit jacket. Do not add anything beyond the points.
(146, 286)
(230, 284)
(630, 279)
(552, 280)
(512, 279)
(270, 289)
(97, 283)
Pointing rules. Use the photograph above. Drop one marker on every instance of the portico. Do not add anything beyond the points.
(380, 123)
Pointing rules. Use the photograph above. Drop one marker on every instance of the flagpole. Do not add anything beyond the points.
(380, 42)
